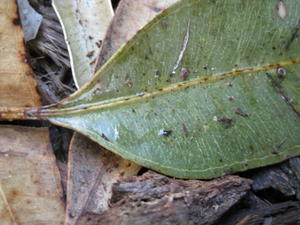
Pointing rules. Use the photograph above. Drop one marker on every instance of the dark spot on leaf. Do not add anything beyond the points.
(281, 72)
(155, 9)
(97, 90)
(274, 152)
(184, 73)
(279, 89)
(231, 98)
(239, 112)
(92, 62)
(157, 73)
(185, 130)
(165, 22)
(293, 36)
(165, 132)
(128, 81)
(225, 120)
(251, 148)
(274, 48)
(133, 110)
(104, 137)
(205, 67)
(150, 51)
(99, 43)
(90, 54)
(278, 146)
(229, 84)
(16, 21)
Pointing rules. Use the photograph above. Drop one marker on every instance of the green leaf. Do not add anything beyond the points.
(207, 88)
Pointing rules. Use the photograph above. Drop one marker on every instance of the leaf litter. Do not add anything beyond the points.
(284, 139)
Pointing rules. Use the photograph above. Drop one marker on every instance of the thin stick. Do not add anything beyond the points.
(20, 113)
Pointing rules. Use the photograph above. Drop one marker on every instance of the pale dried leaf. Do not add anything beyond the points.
(30, 188)
(30, 19)
(92, 171)
(130, 17)
(84, 24)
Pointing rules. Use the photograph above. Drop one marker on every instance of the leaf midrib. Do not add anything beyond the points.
(174, 87)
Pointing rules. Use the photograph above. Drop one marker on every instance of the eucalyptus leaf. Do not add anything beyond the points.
(206, 88)
(84, 23)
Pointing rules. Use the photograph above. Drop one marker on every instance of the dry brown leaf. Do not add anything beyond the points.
(92, 171)
(30, 188)
(130, 16)
(17, 84)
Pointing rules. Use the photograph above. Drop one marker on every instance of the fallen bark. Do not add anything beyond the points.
(156, 199)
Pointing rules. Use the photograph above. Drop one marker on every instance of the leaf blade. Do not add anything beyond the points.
(125, 110)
